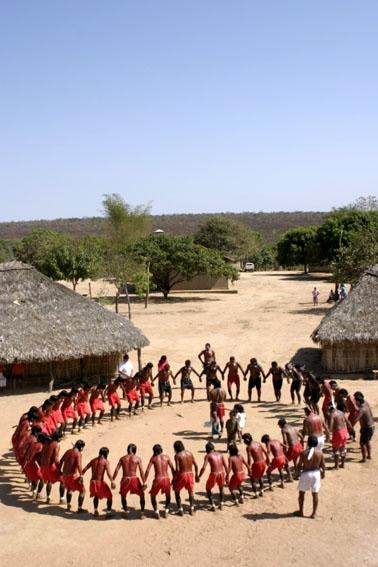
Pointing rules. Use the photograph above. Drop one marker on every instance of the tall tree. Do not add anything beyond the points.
(297, 246)
(360, 253)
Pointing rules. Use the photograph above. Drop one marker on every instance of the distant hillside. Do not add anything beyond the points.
(270, 225)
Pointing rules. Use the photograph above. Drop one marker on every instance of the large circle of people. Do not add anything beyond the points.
(36, 438)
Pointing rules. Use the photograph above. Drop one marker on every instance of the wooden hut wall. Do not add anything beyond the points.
(350, 358)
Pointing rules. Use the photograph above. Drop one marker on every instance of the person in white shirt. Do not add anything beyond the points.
(126, 368)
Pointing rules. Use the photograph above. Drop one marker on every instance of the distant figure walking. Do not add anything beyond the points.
(315, 296)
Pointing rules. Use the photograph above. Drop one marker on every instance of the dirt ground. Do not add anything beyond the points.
(271, 317)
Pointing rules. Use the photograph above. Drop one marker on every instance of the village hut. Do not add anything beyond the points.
(348, 334)
(55, 333)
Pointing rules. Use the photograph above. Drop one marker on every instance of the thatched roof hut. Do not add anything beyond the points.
(348, 334)
(53, 330)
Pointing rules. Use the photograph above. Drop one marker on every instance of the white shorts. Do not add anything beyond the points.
(309, 480)
(321, 441)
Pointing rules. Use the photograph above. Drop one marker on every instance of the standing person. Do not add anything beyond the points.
(165, 388)
(315, 296)
(126, 368)
(32, 460)
(185, 380)
(256, 459)
(56, 413)
(366, 419)
(314, 425)
(350, 405)
(343, 291)
(255, 372)
(114, 399)
(161, 482)
(293, 372)
(328, 401)
(206, 356)
(96, 401)
(241, 418)
(276, 449)
(162, 363)
(145, 386)
(311, 392)
(235, 465)
(231, 428)
(130, 391)
(69, 409)
(217, 409)
(311, 469)
(130, 482)
(184, 477)
(233, 376)
(292, 441)
(71, 467)
(218, 471)
(211, 376)
(49, 465)
(82, 406)
(277, 378)
(338, 426)
(98, 487)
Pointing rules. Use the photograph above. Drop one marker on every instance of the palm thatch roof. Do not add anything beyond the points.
(355, 319)
(43, 321)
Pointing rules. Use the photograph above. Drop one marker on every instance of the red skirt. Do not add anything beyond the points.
(69, 413)
(277, 463)
(215, 478)
(221, 412)
(161, 484)
(132, 396)
(33, 472)
(146, 388)
(183, 480)
(50, 473)
(114, 399)
(293, 452)
(236, 480)
(258, 469)
(100, 489)
(83, 409)
(339, 438)
(131, 484)
(97, 404)
(73, 484)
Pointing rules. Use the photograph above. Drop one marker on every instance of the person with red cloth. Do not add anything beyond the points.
(145, 387)
(256, 459)
(71, 467)
(130, 482)
(98, 488)
(339, 426)
(69, 409)
(235, 465)
(49, 464)
(276, 449)
(96, 401)
(114, 399)
(161, 482)
(292, 441)
(327, 392)
(47, 422)
(22, 431)
(32, 467)
(82, 405)
(56, 412)
(184, 477)
(218, 470)
(131, 393)
(233, 376)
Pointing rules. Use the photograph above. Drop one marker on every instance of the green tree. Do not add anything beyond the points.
(297, 246)
(174, 259)
(7, 250)
(352, 260)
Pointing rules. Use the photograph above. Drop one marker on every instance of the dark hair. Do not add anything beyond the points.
(35, 430)
(131, 448)
(217, 383)
(209, 447)
(282, 421)
(312, 441)
(57, 435)
(178, 446)
(265, 438)
(53, 399)
(80, 444)
(247, 438)
(233, 449)
(157, 449)
(43, 438)
(103, 452)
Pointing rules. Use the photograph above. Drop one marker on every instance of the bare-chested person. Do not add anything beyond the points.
(235, 465)
(145, 384)
(233, 376)
(212, 371)
(339, 426)
(278, 374)
(256, 458)
(165, 387)
(255, 371)
(98, 488)
(206, 356)
(328, 398)
(366, 419)
(217, 409)
(184, 477)
(161, 482)
(276, 449)
(218, 471)
(185, 380)
(294, 374)
(292, 441)
(130, 482)
(72, 474)
(350, 406)
(114, 399)
(49, 462)
(129, 386)
(311, 469)
(313, 424)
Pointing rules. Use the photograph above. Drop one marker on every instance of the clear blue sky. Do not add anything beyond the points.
(189, 105)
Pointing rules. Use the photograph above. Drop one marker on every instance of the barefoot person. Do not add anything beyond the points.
(130, 391)
(256, 459)
(311, 469)
(233, 376)
(161, 482)
(206, 356)
(366, 419)
(72, 474)
(184, 477)
(218, 471)
(165, 388)
(294, 374)
(217, 409)
(185, 380)
(130, 482)
(292, 441)
(49, 461)
(212, 371)
(114, 399)
(313, 424)
(145, 385)
(339, 427)
(98, 488)
(277, 379)
(96, 401)
(276, 449)
(235, 465)
(255, 372)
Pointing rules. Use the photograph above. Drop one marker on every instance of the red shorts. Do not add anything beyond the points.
(132, 396)
(215, 478)
(161, 484)
(57, 417)
(277, 463)
(69, 413)
(49, 425)
(50, 474)
(258, 469)
(221, 412)
(73, 484)
(114, 399)
(97, 404)
(146, 388)
(184, 480)
(131, 484)
(236, 480)
(83, 409)
(33, 472)
(339, 438)
(100, 489)
(235, 379)
(293, 452)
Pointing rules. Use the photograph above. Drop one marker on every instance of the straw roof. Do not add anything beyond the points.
(355, 319)
(42, 321)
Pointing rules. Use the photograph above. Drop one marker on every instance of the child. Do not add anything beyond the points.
(241, 419)
(231, 428)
